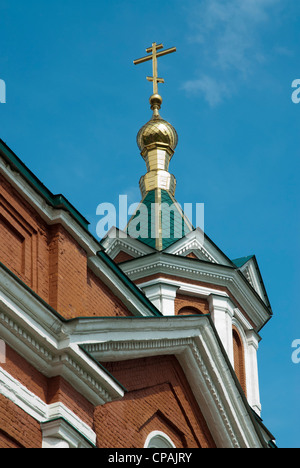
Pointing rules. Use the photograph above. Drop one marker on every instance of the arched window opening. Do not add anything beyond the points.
(157, 439)
(239, 359)
(188, 310)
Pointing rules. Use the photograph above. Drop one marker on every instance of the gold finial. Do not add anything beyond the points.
(154, 56)
(157, 139)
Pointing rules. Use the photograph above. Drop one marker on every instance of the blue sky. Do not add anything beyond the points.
(75, 102)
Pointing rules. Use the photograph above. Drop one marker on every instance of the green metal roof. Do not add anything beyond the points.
(57, 201)
(172, 223)
(142, 221)
(239, 262)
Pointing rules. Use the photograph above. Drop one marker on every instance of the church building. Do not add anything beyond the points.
(147, 338)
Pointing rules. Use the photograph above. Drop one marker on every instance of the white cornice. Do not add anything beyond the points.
(12, 389)
(251, 275)
(185, 288)
(59, 431)
(197, 242)
(117, 241)
(32, 329)
(206, 272)
(57, 350)
(194, 342)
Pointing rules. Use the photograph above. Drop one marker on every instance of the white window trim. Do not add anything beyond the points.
(160, 436)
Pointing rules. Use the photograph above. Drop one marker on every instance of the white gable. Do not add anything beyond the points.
(252, 274)
(201, 246)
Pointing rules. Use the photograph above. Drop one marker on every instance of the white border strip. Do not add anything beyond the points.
(16, 392)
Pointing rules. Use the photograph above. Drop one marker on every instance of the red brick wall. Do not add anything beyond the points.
(158, 398)
(200, 283)
(192, 255)
(101, 301)
(17, 428)
(14, 421)
(61, 391)
(6, 441)
(24, 240)
(50, 261)
(239, 358)
(190, 304)
(67, 273)
(25, 373)
(122, 257)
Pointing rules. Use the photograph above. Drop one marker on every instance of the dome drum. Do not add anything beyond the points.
(157, 179)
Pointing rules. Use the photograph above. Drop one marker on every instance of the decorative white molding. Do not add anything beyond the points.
(249, 338)
(121, 246)
(58, 433)
(253, 393)
(37, 334)
(158, 439)
(194, 343)
(240, 319)
(54, 442)
(186, 288)
(175, 269)
(16, 392)
(224, 315)
(116, 241)
(250, 273)
(195, 247)
(162, 295)
(200, 245)
(206, 272)
(222, 310)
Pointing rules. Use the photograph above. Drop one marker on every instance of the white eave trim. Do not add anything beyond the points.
(117, 241)
(16, 392)
(250, 273)
(195, 344)
(48, 213)
(37, 334)
(205, 272)
(196, 240)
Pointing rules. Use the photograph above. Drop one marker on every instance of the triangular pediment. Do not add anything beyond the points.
(196, 346)
(248, 266)
(118, 243)
(196, 244)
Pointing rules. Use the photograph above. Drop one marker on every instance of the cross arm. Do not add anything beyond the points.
(143, 59)
(159, 54)
(165, 52)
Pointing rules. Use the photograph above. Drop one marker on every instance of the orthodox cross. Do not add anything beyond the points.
(154, 56)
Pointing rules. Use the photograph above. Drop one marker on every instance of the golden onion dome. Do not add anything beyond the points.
(157, 130)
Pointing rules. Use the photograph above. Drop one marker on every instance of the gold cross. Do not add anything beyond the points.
(155, 47)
